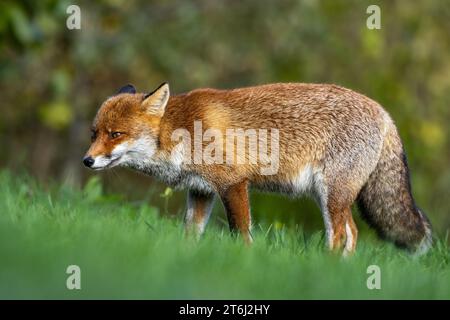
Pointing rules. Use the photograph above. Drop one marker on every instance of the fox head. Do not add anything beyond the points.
(126, 128)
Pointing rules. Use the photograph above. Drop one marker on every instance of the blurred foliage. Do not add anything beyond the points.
(53, 79)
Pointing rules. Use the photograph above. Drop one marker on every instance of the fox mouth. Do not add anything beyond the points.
(114, 162)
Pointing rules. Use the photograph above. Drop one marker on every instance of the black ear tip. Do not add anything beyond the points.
(159, 87)
(129, 88)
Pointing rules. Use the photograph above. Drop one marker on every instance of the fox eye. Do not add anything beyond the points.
(93, 136)
(115, 134)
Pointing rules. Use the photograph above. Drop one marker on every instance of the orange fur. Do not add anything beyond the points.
(333, 143)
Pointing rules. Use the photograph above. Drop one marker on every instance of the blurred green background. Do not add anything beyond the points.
(52, 80)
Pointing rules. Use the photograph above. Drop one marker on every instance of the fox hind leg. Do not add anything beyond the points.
(333, 215)
(338, 221)
(351, 233)
(336, 204)
(342, 230)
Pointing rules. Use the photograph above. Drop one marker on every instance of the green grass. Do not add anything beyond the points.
(126, 250)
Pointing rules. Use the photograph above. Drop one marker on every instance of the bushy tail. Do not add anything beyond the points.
(386, 202)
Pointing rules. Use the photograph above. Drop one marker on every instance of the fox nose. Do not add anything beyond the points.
(88, 161)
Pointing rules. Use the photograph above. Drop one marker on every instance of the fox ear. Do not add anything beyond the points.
(155, 102)
(129, 88)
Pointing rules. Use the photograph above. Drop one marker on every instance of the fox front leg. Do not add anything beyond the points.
(235, 200)
(199, 207)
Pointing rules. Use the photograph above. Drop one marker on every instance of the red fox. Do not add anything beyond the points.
(337, 145)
